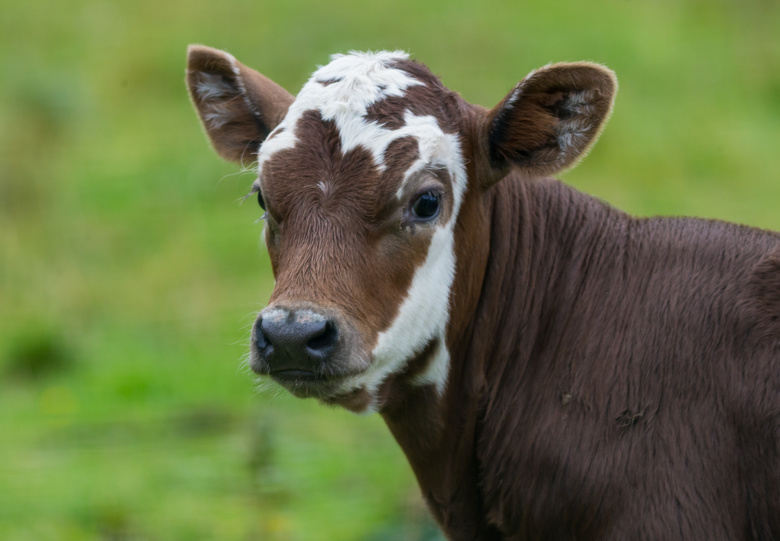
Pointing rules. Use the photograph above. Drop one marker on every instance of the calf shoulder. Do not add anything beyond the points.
(642, 358)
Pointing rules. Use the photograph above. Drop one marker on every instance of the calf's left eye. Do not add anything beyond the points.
(426, 207)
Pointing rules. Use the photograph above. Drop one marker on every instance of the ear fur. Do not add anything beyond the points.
(237, 106)
(551, 118)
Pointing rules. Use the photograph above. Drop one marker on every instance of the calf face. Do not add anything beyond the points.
(372, 182)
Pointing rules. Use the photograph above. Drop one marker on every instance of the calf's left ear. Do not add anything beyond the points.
(550, 120)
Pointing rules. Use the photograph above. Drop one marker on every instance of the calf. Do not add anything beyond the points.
(552, 367)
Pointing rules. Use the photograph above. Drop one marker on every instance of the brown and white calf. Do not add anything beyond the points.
(552, 367)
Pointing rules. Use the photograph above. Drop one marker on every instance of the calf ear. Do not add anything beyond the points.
(550, 119)
(237, 106)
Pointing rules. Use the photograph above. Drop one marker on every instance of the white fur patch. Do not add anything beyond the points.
(275, 314)
(422, 316)
(342, 92)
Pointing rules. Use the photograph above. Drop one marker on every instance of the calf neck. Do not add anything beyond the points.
(552, 368)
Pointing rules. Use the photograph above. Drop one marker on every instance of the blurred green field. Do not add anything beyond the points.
(130, 272)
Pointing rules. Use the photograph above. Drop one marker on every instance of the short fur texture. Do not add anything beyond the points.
(608, 377)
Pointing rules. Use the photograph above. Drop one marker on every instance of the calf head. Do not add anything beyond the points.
(372, 182)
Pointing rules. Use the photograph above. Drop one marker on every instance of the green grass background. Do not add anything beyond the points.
(130, 273)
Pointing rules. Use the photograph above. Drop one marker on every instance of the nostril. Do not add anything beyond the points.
(324, 340)
(261, 340)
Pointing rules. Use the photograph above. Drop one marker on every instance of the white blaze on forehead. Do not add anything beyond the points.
(342, 92)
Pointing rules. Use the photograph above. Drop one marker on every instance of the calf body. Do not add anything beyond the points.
(631, 390)
(552, 368)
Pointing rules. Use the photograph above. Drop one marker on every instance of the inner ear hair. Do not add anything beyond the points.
(237, 106)
(551, 118)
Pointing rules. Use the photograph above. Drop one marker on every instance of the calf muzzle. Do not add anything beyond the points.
(295, 343)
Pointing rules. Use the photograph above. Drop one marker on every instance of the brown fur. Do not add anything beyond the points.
(610, 377)
(631, 358)
(330, 248)
(555, 116)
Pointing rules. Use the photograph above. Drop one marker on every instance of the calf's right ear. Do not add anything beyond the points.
(237, 106)
(549, 121)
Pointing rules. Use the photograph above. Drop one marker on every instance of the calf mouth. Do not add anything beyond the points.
(342, 388)
(297, 375)
(327, 387)
(304, 384)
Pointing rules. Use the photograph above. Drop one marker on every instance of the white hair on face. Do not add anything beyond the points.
(342, 92)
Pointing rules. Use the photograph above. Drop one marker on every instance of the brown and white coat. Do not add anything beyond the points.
(552, 367)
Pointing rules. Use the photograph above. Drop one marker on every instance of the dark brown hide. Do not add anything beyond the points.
(621, 376)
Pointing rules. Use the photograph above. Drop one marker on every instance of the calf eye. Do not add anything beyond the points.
(426, 207)
(260, 200)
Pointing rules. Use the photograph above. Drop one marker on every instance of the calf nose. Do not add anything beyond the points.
(291, 341)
